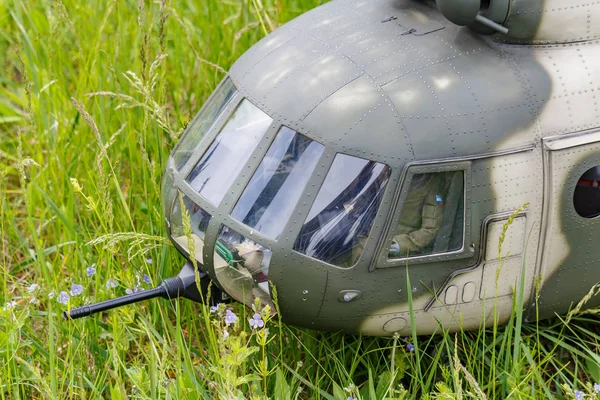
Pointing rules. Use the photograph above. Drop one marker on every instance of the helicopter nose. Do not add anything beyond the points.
(240, 265)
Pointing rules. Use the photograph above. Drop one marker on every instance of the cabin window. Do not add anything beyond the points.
(202, 123)
(242, 267)
(199, 220)
(213, 175)
(586, 198)
(431, 219)
(275, 188)
(339, 221)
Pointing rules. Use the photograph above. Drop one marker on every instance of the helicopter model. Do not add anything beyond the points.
(373, 159)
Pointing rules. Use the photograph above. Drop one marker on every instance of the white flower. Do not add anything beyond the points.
(32, 288)
(111, 284)
(9, 305)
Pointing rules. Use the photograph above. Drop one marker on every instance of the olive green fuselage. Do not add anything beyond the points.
(394, 82)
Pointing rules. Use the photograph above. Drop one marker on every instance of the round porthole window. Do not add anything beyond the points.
(587, 193)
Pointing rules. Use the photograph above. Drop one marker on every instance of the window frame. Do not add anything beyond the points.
(212, 130)
(220, 143)
(323, 172)
(211, 134)
(253, 174)
(410, 170)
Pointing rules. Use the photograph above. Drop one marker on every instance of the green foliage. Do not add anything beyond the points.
(93, 95)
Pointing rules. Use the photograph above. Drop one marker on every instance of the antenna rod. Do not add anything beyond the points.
(168, 289)
(84, 311)
(182, 285)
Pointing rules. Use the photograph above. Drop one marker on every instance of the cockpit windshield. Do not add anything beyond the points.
(340, 219)
(275, 188)
(202, 123)
(220, 165)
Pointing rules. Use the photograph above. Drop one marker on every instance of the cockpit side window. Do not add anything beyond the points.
(198, 220)
(338, 224)
(207, 116)
(275, 188)
(431, 219)
(220, 165)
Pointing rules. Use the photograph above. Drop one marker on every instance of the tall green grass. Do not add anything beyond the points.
(93, 95)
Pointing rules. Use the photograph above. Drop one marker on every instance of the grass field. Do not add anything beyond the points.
(93, 96)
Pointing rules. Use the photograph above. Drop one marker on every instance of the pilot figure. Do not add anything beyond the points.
(421, 216)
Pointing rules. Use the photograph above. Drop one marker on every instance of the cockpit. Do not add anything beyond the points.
(257, 176)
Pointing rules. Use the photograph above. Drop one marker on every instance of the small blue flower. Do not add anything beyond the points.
(225, 334)
(32, 288)
(63, 298)
(89, 271)
(149, 260)
(76, 289)
(147, 279)
(230, 317)
(128, 291)
(579, 395)
(256, 321)
(351, 398)
(215, 308)
(596, 387)
(111, 284)
(410, 347)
